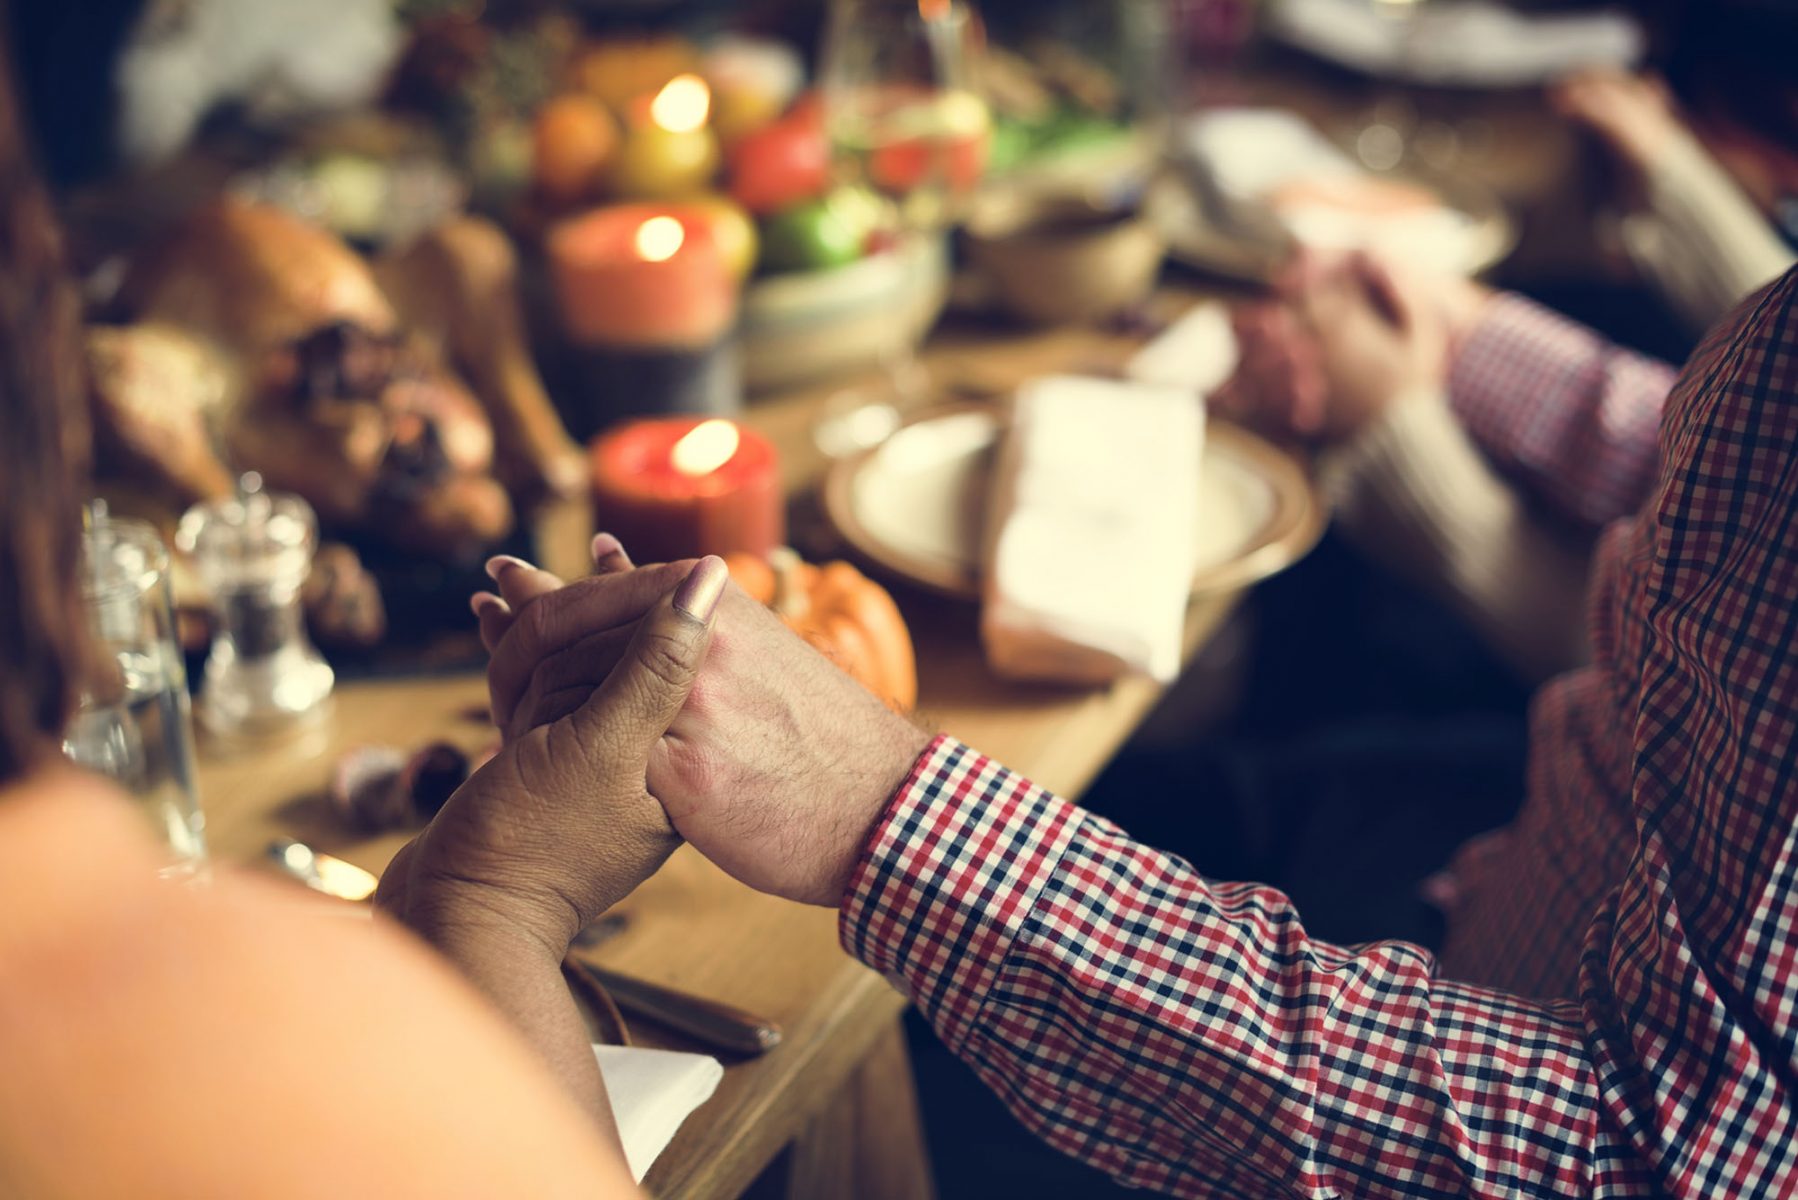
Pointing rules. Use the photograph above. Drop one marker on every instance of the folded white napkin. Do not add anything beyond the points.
(1253, 152)
(1092, 533)
(652, 1094)
(1471, 43)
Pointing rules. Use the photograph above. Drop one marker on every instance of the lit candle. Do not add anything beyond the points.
(678, 487)
(639, 275)
(668, 151)
(647, 303)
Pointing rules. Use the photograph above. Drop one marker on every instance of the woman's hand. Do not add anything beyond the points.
(778, 766)
(560, 824)
(1342, 340)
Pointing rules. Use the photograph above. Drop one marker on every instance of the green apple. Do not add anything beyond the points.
(810, 236)
(860, 209)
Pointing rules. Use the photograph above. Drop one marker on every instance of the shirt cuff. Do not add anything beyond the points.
(950, 879)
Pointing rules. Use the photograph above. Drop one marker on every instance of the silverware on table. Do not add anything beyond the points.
(322, 872)
(717, 1025)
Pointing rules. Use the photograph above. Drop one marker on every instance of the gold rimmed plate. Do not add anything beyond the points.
(915, 506)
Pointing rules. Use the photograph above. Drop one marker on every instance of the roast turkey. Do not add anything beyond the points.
(400, 401)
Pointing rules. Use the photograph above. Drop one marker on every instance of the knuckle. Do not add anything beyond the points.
(666, 655)
(531, 629)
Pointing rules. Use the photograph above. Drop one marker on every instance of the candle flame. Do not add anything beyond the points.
(682, 105)
(933, 10)
(659, 238)
(706, 447)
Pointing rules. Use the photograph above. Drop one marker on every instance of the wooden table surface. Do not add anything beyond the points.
(838, 1086)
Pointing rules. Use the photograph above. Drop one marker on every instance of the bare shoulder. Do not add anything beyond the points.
(220, 1040)
(70, 846)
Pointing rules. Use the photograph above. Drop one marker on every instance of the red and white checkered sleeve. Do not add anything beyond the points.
(1188, 1036)
(1572, 415)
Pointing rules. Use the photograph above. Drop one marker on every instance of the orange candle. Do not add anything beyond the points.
(677, 487)
(640, 276)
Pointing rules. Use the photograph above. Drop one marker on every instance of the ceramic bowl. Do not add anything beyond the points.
(801, 327)
(1054, 260)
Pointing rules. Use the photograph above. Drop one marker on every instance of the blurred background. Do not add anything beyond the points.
(1059, 166)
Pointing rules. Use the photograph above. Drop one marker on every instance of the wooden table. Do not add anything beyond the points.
(836, 1095)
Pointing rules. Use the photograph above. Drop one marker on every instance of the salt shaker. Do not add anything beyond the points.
(253, 553)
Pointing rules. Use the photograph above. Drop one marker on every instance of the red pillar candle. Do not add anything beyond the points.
(676, 487)
(641, 276)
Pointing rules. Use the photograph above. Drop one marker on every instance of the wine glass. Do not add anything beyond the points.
(908, 127)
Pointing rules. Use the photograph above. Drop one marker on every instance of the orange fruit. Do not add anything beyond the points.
(617, 71)
(575, 141)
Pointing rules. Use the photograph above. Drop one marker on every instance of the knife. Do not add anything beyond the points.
(716, 1024)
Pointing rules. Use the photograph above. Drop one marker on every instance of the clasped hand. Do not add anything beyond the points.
(1339, 341)
(637, 709)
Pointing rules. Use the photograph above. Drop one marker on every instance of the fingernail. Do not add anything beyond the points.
(604, 544)
(499, 562)
(480, 602)
(698, 593)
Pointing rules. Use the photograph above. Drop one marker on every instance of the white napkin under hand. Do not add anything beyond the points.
(653, 1092)
(1198, 352)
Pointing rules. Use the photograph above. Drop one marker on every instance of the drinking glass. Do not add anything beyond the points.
(907, 125)
(132, 721)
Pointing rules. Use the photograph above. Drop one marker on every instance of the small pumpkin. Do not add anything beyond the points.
(844, 614)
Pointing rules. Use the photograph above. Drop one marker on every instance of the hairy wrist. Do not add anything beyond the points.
(463, 917)
(863, 820)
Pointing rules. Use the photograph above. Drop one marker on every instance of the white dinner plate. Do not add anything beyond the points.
(915, 505)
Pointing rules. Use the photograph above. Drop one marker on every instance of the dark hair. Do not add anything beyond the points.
(43, 425)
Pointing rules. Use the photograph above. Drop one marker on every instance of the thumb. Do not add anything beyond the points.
(1382, 289)
(645, 691)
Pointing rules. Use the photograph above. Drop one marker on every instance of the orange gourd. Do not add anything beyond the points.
(844, 614)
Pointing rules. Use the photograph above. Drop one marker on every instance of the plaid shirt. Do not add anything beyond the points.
(1188, 1035)
(1569, 414)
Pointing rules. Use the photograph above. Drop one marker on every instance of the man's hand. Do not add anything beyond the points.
(1634, 114)
(778, 766)
(560, 824)
(781, 764)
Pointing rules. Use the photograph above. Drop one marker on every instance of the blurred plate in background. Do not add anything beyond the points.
(915, 506)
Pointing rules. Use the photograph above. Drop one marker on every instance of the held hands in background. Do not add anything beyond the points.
(779, 764)
(1341, 340)
(774, 763)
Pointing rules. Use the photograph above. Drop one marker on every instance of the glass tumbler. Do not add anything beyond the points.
(132, 722)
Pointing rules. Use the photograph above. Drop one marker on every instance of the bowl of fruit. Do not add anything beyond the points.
(835, 291)
(730, 138)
